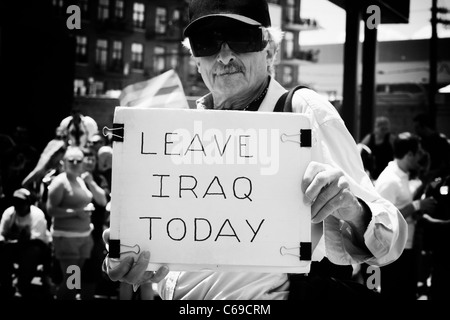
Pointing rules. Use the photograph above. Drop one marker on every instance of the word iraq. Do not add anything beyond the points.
(242, 187)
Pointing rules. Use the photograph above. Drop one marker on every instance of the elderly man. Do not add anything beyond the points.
(234, 47)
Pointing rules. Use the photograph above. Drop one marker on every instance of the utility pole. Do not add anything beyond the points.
(433, 57)
(433, 65)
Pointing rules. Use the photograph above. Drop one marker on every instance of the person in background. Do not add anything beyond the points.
(78, 129)
(69, 203)
(380, 142)
(399, 279)
(96, 142)
(25, 240)
(92, 269)
(104, 164)
(436, 144)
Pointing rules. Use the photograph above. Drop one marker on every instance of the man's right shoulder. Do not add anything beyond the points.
(7, 213)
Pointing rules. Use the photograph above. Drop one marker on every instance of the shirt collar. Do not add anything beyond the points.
(399, 172)
(274, 92)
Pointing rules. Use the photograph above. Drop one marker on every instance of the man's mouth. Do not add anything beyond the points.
(228, 71)
(226, 74)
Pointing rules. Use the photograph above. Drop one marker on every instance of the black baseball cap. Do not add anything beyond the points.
(22, 194)
(223, 13)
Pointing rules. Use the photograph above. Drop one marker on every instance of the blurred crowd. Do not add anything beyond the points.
(54, 207)
(412, 170)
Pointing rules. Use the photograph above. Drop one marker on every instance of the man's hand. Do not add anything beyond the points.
(132, 272)
(327, 191)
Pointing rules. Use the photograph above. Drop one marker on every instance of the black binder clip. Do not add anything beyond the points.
(115, 245)
(117, 132)
(304, 251)
(305, 138)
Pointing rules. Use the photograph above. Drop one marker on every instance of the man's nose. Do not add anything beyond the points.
(226, 55)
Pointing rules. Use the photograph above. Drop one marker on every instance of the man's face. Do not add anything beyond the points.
(233, 75)
(381, 127)
(22, 207)
(416, 159)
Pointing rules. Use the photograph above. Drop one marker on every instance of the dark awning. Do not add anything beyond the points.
(392, 11)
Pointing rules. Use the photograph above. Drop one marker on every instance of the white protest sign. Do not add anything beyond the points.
(211, 190)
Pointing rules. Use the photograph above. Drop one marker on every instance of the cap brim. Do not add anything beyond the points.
(219, 20)
(20, 197)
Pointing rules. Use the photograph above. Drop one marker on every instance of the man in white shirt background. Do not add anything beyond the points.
(399, 279)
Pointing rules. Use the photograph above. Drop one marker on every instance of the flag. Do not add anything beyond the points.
(163, 91)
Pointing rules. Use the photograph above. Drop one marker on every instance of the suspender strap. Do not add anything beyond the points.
(284, 103)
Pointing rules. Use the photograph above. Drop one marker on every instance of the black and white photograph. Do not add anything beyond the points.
(241, 151)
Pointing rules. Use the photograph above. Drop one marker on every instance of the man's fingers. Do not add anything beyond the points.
(148, 276)
(326, 194)
(341, 201)
(105, 236)
(328, 208)
(118, 272)
(138, 270)
(160, 274)
(321, 180)
(311, 170)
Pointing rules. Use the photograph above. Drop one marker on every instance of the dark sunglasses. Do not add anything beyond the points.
(74, 161)
(242, 40)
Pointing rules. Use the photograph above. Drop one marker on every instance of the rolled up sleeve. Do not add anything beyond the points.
(386, 234)
(385, 237)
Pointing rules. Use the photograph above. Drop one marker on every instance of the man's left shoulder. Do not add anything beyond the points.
(308, 100)
(37, 212)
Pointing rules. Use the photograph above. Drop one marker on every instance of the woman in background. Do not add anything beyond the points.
(70, 205)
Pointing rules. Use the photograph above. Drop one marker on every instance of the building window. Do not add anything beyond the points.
(118, 10)
(117, 63)
(59, 6)
(99, 87)
(174, 58)
(159, 63)
(81, 49)
(176, 15)
(288, 45)
(175, 23)
(79, 88)
(137, 56)
(161, 20)
(103, 10)
(287, 75)
(83, 4)
(101, 54)
(138, 15)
